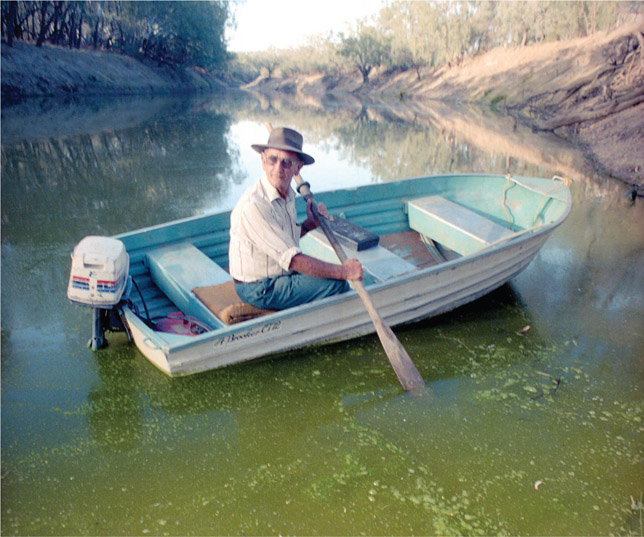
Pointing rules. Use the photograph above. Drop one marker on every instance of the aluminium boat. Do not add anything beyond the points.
(427, 245)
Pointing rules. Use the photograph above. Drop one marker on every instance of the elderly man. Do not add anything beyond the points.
(269, 269)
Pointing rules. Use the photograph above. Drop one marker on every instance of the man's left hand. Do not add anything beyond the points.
(311, 221)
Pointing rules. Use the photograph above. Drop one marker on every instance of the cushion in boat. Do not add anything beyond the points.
(223, 301)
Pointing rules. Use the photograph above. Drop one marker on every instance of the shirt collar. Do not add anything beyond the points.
(272, 192)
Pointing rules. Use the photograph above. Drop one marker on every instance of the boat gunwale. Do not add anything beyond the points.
(199, 217)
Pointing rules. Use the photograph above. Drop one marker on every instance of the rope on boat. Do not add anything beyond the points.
(517, 234)
(548, 196)
(509, 215)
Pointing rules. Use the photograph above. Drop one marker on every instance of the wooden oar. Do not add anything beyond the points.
(400, 361)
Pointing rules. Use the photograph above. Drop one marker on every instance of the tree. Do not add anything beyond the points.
(366, 49)
(268, 60)
(184, 33)
(181, 33)
(411, 43)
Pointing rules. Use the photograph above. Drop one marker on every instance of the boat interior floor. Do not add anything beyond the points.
(410, 246)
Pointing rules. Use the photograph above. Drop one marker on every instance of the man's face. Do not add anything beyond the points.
(280, 167)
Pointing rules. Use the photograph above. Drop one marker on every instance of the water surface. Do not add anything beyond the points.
(535, 433)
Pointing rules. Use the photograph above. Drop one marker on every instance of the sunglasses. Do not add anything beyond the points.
(286, 162)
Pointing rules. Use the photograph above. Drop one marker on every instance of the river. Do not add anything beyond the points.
(527, 432)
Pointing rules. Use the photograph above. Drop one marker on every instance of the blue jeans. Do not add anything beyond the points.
(288, 291)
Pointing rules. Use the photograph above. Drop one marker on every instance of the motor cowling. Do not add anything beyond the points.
(99, 279)
(99, 272)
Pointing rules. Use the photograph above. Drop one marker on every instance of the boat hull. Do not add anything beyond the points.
(528, 210)
(406, 299)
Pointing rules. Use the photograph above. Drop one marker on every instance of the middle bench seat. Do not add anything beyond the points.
(378, 262)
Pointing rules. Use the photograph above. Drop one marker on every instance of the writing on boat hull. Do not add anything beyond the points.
(242, 336)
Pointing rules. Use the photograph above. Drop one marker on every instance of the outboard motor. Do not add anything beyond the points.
(99, 279)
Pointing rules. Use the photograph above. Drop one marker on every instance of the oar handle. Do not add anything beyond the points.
(304, 189)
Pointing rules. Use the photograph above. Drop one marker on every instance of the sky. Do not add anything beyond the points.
(262, 24)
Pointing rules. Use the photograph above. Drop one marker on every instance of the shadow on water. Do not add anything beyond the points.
(527, 432)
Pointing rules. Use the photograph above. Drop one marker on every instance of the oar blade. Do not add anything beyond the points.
(399, 358)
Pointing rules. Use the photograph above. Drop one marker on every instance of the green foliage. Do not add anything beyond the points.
(367, 48)
(432, 33)
(178, 33)
(243, 68)
(318, 55)
(184, 33)
(498, 99)
(436, 32)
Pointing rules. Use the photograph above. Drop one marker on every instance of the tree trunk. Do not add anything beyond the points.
(44, 23)
(79, 36)
(97, 25)
(13, 10)
(365, 73)
(72, 30)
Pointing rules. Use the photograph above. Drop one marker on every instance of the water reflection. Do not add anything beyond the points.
(111, 166)
(115, 179)
(321, 434)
